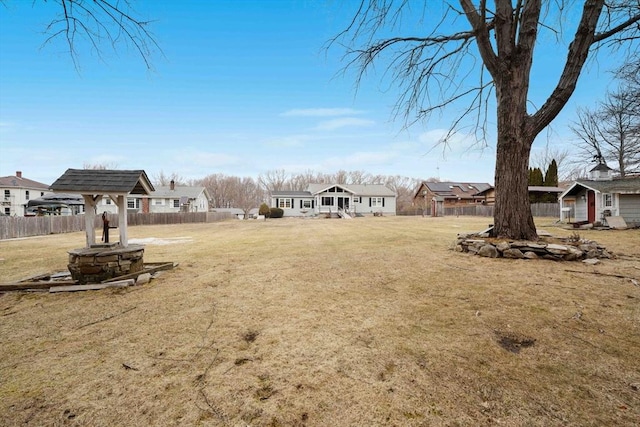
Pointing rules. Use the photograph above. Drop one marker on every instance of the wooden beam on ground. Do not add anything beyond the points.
(26, 285)
(92, 286)
(147, 269)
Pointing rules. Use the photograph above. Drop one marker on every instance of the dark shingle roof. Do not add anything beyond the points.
(622, 185)
(103, 181)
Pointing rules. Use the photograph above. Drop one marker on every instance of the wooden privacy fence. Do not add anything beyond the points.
(537, 209)
(14, 227)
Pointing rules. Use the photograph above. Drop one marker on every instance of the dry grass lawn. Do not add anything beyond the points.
(316, 322)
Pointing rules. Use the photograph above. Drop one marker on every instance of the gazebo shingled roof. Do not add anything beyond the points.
(103, 181)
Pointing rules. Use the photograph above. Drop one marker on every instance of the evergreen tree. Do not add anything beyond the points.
(537, 178)
(551, 176)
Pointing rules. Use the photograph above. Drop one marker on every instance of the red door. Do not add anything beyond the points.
(591, 206)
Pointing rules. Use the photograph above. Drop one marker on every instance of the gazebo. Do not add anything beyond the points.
(94, 184)
(99, 262)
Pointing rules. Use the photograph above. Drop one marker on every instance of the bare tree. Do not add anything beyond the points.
(100, 165)
(404, 188)
(97, 23)
(611, 133)
(162, 179)
(248, 195)
(433, 70)
(274, 180)
(542, 159)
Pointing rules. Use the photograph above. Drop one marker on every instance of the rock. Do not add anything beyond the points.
(557, 249)
(593, 253)
(571, 256)
(502, 246)
(513, 253)
(534, 245)
(488, 251)
(143, 278)
(459, 248)
(591, 261)
(530, 255)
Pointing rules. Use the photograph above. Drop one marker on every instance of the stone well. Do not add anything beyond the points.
(102, 262)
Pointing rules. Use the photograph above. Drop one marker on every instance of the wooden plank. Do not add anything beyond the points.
(616, 222)
(23, 286)
(158, 267)
(92, 287)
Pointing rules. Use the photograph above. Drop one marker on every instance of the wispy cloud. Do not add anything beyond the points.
(342, 123)
(321, 112)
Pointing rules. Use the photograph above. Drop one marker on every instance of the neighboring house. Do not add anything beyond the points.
(452, 194)
(170, 198)
(602, 195)
(338, 199)
(16, 191)
(489, 195)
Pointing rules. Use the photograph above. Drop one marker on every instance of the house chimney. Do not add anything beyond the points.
(19, 174)
(172, 185)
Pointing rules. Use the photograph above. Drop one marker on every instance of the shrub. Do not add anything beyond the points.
(264, 210)
(276, 213)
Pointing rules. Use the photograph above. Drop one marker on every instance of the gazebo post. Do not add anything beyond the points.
(89, 217)
(122, 219)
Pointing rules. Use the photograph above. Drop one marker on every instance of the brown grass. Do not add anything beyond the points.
(321, 322)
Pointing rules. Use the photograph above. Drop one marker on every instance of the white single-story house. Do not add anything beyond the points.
(338, 199)
(601, 196)
(167, 198)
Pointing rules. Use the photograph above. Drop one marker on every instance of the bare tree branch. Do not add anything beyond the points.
(99, 21)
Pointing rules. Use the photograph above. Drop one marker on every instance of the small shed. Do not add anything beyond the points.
(94, 184)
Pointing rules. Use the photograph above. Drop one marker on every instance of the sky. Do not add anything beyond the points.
(239, 88)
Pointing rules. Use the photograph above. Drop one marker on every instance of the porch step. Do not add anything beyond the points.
(344, 215)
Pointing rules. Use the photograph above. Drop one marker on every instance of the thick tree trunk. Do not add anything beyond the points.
(512, 216)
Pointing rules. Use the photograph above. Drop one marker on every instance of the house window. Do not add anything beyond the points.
(356, 200)
(7, 194)
(376, 202)
(7, 211)
(327, 201)
(107, 201)
(285, 203)
(158, 201)
(26, 194)
(306, 204)
(607, 200)
(133, 203)
(176, 203)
